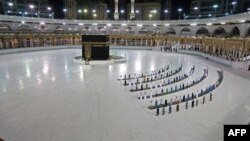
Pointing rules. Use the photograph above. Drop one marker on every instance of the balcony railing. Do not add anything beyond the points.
(236, 18)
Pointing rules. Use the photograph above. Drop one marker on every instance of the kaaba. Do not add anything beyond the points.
(95, 47)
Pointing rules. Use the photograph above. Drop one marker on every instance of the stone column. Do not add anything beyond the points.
(31, 42)
(132, 13)
(116, 14)
(1, 44)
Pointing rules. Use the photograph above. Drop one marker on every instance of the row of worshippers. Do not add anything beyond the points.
(152, 73)
(184, 98)
(146, 79)
(162, 76)
(162, 91)
(150, 78)
(157, 84)
(161, 73)
(207, 89)
(194, 102)
(165, 103)
(175, 79)
(220, 78)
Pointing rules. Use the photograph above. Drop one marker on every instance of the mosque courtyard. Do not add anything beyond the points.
(46, 96)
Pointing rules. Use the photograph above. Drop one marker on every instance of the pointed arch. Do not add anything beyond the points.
(248, 32)
(86, 28)
(115, 28)
(5, 27)
(235, 32)
(41, 28)
(100, 28)
(219, 32)
(59, 28)
(171, 31)
(185, 32)
(128, 28)
(143, 30)
(202, 32)
(157, 30)
(23, 27)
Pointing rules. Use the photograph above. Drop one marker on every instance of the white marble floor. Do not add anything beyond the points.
(44, 96)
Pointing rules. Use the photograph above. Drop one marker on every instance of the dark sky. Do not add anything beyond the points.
(184, 4)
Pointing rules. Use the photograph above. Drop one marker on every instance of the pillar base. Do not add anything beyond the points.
(116, 16)
(132, 16)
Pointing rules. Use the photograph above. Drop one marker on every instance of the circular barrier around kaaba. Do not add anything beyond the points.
(112, 59)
